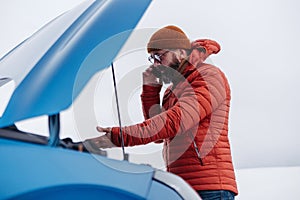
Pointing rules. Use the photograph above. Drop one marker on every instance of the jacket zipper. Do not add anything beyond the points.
(196, 150)
(198, 153)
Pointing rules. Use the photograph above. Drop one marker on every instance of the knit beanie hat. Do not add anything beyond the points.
(169, 37)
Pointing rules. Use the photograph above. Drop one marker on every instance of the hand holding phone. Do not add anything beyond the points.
(152, 76)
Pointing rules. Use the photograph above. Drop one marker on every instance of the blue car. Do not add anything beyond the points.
(49, 70)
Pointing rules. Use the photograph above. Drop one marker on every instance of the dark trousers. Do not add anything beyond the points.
(216, 194)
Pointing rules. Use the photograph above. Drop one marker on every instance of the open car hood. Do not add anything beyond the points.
(50, 68)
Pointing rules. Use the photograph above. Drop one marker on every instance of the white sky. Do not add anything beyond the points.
(259, 55)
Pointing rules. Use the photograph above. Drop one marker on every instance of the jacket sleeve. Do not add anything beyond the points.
(196, 102)
(151, 100)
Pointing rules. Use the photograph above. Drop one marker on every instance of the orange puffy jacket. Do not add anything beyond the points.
(195, 108)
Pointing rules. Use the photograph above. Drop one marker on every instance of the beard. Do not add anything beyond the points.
(169, 74)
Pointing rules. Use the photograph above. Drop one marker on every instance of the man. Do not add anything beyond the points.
(193, 118)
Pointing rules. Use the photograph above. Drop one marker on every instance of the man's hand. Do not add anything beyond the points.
(150, 76)
(103, 141)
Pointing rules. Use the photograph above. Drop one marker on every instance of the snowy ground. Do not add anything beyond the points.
(269, 183)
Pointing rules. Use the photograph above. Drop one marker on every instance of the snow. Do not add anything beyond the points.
(268, 183)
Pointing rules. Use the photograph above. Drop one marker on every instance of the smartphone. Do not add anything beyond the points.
(157, 71)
